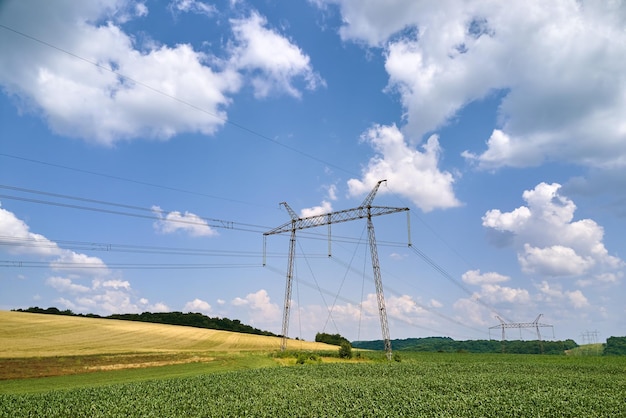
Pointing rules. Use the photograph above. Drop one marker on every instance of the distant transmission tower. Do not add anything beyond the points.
(366, 210)
(590, 340)
(535, 324)
(590, 337)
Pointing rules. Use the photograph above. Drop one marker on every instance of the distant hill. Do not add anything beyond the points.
(196, 320)
(448, 345)
(36, 335)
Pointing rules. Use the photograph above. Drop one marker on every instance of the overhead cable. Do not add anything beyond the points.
(177, 99)
(202, 221)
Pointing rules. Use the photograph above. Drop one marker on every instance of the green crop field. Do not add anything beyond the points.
(425, 385)
(105, 368)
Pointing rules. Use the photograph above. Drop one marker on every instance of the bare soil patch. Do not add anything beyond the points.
(23, 368)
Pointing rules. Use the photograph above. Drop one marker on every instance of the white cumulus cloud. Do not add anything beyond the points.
(174, 221)
(197, 305)
(260, 306)
(16, 236)
(83, 283)
(65, 285)
(477, 278)
(548, 241)
(98, 83)
(192, 6)
(556, 68)
(553, 293)
(272, 58)
(555, 260)
(324, 208)
(409, 172)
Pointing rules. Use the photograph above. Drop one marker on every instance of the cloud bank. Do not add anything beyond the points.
(558, 67)
(73, 64)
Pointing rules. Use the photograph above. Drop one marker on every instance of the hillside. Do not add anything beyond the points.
(190, 319)
(40, 335)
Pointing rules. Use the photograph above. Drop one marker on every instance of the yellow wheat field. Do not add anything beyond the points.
(40, 335)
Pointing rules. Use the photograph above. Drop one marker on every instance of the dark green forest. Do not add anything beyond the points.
(615, 346)
(190, 319)
(448, 345)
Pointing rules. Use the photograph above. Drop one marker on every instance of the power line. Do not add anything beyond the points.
(202, 221)
(160, 211)
(225, 224)
(419, 305)
(113, 212)
(347, 300)
(117, 266)
(186, 103)
(6, 240)
(474, 298)
(198, 108)
(110, 176)
(230, 225)
(177, 99)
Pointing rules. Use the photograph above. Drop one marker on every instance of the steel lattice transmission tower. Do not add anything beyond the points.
(535, 324)
(366, 210)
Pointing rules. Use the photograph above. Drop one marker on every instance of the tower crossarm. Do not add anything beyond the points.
(334, 218)
(520, 325)
(292, 213)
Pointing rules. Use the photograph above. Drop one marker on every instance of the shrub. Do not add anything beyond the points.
(304, 358)
(345, 350)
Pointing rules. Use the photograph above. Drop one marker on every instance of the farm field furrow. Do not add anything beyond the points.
(435, 385)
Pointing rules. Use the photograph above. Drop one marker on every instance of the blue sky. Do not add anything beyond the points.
(145, 147)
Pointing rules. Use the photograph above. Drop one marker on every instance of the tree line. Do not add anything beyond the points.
(189, 319)
(615, 346)
(448, 345)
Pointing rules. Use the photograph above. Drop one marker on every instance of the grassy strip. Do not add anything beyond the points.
(222, 362)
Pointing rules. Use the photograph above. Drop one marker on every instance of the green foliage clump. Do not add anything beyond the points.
(345, 350)
(334, 339)
(307, 358)
(615, 346)
(50, 311)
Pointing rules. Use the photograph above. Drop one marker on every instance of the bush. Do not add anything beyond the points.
(304, 358)
(345, 350)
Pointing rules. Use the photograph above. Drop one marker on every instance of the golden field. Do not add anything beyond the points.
(41, 345)
(40, 335)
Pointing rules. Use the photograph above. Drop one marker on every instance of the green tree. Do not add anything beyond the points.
(615, 346)
(334, 339)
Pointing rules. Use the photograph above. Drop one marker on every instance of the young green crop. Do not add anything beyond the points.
(444, 385)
